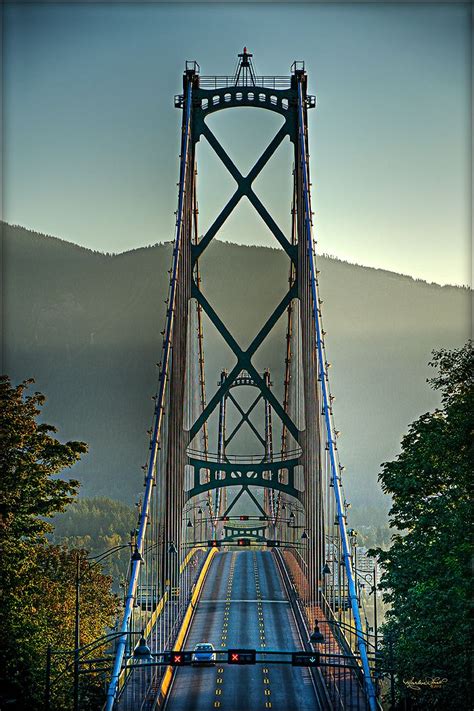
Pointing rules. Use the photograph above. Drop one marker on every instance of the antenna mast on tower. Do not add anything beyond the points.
(245, 74)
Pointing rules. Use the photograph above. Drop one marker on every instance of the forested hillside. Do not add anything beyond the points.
(87, 327)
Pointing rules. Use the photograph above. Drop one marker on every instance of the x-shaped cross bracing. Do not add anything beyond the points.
(245, 417)
(244, 187)
(243, 360)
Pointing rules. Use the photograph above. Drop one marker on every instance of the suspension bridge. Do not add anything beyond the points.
(244, 548)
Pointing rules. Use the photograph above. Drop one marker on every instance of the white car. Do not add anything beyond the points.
(204, 653)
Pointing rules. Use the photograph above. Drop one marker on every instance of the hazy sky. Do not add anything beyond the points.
(92, 137)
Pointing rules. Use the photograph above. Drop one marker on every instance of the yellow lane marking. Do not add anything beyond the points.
(165, 684)
(261, 624)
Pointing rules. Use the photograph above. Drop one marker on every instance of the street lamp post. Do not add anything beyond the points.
(77, 617)
(77, 632)
(371, 579)
(47, 690)
(200, 523)
(65, 652)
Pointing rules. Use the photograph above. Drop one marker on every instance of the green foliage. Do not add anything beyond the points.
(370, 536)
(30, 457)
(37, 588)
(426, 577)
(40, 611)
(97, 524)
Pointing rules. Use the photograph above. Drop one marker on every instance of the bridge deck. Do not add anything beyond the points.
(243, 604)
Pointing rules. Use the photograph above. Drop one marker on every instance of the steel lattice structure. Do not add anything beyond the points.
(186, 487)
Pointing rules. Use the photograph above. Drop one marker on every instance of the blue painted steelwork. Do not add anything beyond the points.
(220, 446)
(164, 377)
(331, 444)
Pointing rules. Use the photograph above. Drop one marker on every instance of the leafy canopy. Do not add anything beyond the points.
(37, 596)
(97, 524)
(30, 457)
(427, 569)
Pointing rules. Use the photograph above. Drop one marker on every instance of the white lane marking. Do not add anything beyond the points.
(263, 601)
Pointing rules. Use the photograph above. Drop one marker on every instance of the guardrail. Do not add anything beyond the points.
(243, 459)
(222, 82)
(321, 690)
(168, 675)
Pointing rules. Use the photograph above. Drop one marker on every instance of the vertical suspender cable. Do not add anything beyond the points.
(135, 565)
(371, 695)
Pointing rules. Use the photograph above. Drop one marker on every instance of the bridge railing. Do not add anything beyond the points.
(223, 81)
(244, 459)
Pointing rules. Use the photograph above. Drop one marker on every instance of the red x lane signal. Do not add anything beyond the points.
(241, 656)
(177, 658)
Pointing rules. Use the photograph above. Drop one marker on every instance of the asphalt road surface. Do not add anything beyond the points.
(243, 604)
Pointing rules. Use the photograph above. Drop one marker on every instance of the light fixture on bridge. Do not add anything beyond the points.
(172, 549)
(189, 523)
(304, 536)
(292, 516)
(142, 651)
(283, 508)
(200, 511)
(136, 555)
(326, 569)
(316, 636)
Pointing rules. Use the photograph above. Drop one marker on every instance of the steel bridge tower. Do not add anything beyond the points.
(187, 487)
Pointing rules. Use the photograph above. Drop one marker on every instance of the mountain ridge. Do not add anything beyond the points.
(142, 248)
(87, 327)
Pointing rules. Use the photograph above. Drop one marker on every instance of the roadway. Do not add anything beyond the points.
(243, 604)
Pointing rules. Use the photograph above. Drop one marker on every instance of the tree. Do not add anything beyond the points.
(426, 575)
(96, 524)
(37, 588)
(29, 458)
